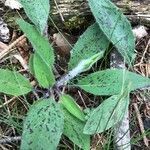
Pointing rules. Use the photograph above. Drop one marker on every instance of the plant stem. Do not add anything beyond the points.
(68, 77)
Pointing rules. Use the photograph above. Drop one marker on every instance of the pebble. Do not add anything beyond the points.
(4, 32)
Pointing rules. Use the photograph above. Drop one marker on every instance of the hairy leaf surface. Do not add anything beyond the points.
(106, 115)
(115, 26)
(43, 58)
(37, 11)
(73, 129)
(43, 71)
(91, 42)
(43, 126)
(69, 103)
(111, 81)
(13, 83)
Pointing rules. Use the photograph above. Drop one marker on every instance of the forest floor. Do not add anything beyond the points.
(17, 51)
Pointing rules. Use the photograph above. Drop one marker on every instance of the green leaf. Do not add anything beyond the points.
(43, 126)
(37, 11)
(106, 115)
(43, 59)
(111, 81)
(69, 103)
(13, 83)
(86, 64)
(115, 26)
(39, 43)
(90, 43)
(43, 72)
(73, 129)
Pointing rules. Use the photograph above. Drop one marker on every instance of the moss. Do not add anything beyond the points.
(75, 22)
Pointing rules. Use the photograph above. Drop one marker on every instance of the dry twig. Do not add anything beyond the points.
(138, 115)
(7, 102)
(9, 48)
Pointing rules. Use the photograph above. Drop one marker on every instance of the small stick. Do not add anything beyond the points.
(138, 115)
(61, 16)
(7, 102)
(82, 99)
(9, 48)
(145, 51)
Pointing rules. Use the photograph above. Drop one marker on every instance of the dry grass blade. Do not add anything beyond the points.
(145, 140)
(9, 48)
(2, 46)
(22, 61)
(7, 102)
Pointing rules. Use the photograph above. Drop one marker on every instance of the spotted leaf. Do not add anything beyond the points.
(43, 126)
(111, 81)
(106, 115)
(73, 129)
(91, 42)
(115, 26)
